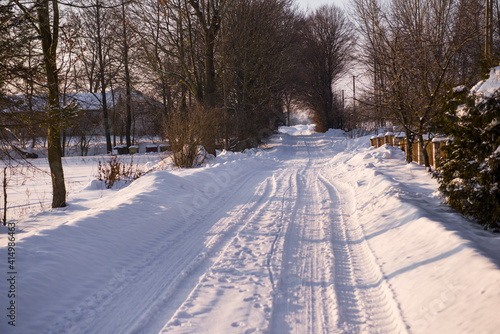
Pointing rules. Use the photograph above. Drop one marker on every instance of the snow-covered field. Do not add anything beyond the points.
(29, 189)
(317, 233)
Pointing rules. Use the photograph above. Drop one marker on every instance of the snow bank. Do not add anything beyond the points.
(487, 88)
(442, 269)
(74, 258)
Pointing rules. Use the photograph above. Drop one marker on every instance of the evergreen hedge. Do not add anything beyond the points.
(469, 175)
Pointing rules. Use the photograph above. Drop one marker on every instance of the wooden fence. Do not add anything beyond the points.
(434, 148)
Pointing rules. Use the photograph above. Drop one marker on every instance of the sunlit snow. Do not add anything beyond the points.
(312, 233)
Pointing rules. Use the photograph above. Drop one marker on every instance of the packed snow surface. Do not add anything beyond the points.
(316, 233)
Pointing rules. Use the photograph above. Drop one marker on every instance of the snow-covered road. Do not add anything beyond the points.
(317, 233)
(297, 264)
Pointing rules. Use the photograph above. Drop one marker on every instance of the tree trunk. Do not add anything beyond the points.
(423, 147)
(128, 102)
(49, 47)
(210, 87)
(63, 143)
(409, 146)
(209, 17)
(103, 82)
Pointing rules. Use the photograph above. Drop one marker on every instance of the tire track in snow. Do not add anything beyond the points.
(305, 300)
(168, 264)
(223, 232)
(272, 252)
(238, 273)
(366, 301)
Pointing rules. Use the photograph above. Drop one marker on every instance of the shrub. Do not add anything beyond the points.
(469, 175)
(189, 133)
(115, 171)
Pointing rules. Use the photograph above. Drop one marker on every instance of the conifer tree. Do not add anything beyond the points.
(469, 175)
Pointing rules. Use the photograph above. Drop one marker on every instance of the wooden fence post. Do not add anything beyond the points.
(380, 140)
(389, 138)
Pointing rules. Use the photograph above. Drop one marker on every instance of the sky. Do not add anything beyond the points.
(312, 4)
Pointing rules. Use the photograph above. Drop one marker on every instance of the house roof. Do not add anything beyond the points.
(86, 101)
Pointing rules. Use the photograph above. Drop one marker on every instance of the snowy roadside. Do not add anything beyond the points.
(229, 248)
(29, 185)
(443, 269)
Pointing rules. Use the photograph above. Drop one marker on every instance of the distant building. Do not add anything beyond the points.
(144, 109)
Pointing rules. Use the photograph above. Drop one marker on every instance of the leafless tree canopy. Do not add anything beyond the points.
(244, 63)
(415, 51)
(327, 43)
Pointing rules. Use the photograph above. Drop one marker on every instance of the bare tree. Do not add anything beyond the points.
(411, 51)
(97, 52)
(209, 17)
(328, 44)
(126, 50)
(102, 75)
(258, 41)
(187, 54)
(21, 72)
(47, 25)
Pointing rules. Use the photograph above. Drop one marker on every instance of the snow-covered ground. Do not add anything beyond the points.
(316, 233)
(29, 188)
